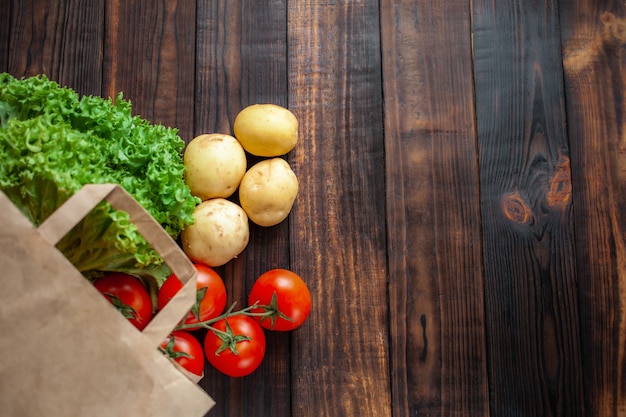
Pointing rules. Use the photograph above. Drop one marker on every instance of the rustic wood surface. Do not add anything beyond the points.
(462, 210)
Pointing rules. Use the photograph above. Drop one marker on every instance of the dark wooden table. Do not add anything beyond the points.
(462, 212)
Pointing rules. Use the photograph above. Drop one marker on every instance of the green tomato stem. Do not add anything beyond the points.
(230, 312)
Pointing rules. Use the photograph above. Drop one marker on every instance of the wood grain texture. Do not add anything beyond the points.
(340, 362)
(533, 335)
(241, 59)
(242, 55)
(433, 212)
(149, 56)
(5, 30)
(59, 39)
(594, 35)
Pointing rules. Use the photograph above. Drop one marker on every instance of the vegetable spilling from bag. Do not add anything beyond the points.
(53, 142)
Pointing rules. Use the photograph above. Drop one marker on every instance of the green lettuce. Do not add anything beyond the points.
(53, 141)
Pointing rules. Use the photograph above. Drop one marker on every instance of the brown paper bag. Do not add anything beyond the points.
(64, 349)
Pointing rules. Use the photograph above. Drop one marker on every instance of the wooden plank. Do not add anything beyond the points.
(531, 301)
(340, 358)
(433, 211)
(593, 41)
(59, 39)
(5, 31)
(149, 57)
(241, 59)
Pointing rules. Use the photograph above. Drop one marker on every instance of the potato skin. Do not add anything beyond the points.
(215, 164)
(266, 130)
(267, 191)
(220, 232)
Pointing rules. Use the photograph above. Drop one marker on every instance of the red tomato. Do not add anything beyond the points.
(129, 296)
(285, 298)
(210, 295)
(238, 349)
(185, 349)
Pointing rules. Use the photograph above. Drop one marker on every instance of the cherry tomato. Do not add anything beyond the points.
(129, 296)
(238, 348)
(210, 295)
(285, 298)
(185, 349)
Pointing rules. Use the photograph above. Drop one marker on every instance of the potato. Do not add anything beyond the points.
(266, 129)
(215, 164)
(267, 191)
(220, 232)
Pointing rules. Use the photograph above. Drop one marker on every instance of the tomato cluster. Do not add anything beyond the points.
(235, 342)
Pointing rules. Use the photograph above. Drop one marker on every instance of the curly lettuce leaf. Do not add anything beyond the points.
(52, 142)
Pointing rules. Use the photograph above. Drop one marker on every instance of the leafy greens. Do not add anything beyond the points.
(53, 141)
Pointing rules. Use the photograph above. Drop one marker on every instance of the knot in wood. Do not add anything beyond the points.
(560, 192)
(516, 209)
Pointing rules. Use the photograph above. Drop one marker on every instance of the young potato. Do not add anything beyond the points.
(267, 191)
(220, 232)
(266, 130)
(215, 164)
